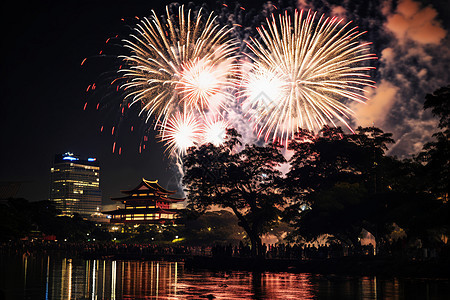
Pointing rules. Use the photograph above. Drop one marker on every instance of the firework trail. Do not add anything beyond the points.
(303, 71)
(183, 60)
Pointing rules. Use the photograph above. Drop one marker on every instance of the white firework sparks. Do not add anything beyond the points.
(180, 132)
(303, 72)
(181, 58)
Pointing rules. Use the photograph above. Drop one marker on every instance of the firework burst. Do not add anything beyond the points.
(181, 131)
(303, 72)
(183, 68)
(214, 131)
(183, 58)
(201, 84)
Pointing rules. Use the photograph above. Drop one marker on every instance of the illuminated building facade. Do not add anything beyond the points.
(75, 185)
(148, 203)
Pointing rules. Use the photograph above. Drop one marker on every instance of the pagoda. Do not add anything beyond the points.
(148, 203)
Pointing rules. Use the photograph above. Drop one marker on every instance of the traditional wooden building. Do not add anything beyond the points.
(148, 203)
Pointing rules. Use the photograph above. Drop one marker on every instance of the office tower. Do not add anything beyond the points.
(75, 185)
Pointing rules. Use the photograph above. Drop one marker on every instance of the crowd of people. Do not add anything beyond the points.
(273, 251)
(296, 251)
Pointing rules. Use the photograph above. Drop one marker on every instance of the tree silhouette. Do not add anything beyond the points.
(333, 179)
(20, 218)
(436, 154)
(212, 227)
(245, 179)
(435, 157)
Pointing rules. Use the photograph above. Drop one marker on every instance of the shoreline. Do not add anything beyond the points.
(359, 266)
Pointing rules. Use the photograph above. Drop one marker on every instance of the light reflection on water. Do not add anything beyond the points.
(45, 277)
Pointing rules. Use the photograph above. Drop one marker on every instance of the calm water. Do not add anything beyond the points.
(45, 277)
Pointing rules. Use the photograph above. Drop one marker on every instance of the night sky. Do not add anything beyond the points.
(43, 86)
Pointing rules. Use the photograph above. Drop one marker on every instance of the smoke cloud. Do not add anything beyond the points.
(415, 62)
(413, 47)
(381, 101)
(410, 22)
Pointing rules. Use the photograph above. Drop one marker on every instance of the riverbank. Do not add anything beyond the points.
(365, 266)
(201, 258)
(361, 266)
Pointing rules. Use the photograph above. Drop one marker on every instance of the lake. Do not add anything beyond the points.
(51, 277)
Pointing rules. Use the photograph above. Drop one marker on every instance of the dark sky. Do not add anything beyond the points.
(43, 91)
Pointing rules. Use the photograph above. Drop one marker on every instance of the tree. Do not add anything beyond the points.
(19, 218)
(435, 155)
(338, 211)
(245, 181)
(435, 158)
(320, 161)
(439, 103)
(333, 180)
(212, 227)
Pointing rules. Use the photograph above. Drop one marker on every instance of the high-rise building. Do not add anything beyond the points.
(75, 185)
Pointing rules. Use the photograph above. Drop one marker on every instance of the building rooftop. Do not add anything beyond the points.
(141, 191)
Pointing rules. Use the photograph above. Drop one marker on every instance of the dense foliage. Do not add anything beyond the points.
(245, 180)
(338, 184)
(20, 218)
